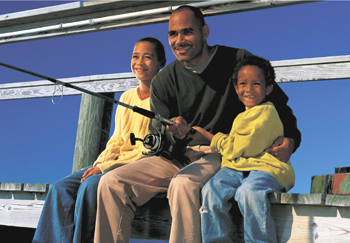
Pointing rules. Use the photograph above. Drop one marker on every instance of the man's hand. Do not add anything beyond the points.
(90, 172)
(180, 128)
(282, 148)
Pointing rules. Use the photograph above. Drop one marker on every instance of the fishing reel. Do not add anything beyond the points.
(153, 142)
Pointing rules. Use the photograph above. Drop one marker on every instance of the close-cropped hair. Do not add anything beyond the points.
(158, 47)
(196, 11)
(263, 64)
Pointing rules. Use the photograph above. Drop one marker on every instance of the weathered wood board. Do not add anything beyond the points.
(335, 184)
(299, 218)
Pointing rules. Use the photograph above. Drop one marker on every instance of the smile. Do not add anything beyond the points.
(140, 70)
(179, 48)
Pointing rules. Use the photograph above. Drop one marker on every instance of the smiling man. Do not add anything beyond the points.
(195, 90)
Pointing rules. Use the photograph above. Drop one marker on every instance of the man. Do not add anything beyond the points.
(194, 90)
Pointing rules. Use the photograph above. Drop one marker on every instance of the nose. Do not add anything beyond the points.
(179, 39)
(139, 61)
(249, 88)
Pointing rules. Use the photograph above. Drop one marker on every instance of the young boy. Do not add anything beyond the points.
(247, 172)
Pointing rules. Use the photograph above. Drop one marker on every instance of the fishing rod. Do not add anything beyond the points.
(136, 109)
(154, 142)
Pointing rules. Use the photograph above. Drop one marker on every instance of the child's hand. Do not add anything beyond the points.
(90, 172)
(201, 135)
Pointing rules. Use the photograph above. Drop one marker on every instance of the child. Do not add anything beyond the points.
(247, 172)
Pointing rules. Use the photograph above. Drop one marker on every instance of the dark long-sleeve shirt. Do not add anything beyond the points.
(209, 99)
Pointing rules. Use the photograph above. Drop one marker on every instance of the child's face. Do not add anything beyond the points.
(251, 86)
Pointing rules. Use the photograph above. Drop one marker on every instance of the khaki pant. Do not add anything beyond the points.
(134, 184)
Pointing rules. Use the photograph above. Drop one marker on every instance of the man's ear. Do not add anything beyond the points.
(269, 89)
(205, 30)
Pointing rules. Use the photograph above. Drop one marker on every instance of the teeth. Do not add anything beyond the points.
(182, 47)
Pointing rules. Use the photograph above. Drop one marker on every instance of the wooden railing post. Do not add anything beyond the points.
(93, 129)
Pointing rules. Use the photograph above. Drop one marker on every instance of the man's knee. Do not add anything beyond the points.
(113, 185)
(208, 188)
(181, 184)
(109, 180)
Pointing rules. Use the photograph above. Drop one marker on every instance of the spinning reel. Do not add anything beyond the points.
(153, 142)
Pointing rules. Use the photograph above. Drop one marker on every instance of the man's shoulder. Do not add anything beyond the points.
(232, 52)
(170, 70)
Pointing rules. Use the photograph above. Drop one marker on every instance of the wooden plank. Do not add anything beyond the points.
(297, 199)
(338, 170)
(21, 203)
(20, 213)
(320, 184)
(107, 83)
(335, 184)
(311, 69)
(10, 186)
(298, 217)
(305, 224)
(338, 200)
(29, 187)
(308, 69)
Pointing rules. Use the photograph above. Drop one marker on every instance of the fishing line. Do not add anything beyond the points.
(139, 110)
(154, 142)
(57, 88)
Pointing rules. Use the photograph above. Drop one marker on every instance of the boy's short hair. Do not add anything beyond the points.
(263, 64)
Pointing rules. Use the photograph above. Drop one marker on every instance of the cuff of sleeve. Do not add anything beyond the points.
(215, 141)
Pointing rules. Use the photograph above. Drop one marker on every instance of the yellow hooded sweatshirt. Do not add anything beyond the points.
(252, 132)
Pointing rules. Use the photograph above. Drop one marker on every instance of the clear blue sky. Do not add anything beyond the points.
(37, 138)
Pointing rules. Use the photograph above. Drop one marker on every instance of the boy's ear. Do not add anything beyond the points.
(236, 88)
(269, 89)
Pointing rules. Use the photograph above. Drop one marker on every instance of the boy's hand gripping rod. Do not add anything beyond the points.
(139, 110)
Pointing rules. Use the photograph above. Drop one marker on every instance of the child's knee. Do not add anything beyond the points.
(245, 193)
(90, 184)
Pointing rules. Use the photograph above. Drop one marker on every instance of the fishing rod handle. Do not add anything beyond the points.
(151, 114)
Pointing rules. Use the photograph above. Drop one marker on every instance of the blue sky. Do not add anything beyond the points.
(38, 138)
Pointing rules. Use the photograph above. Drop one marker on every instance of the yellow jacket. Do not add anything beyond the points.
(119, 150)
(252, 132)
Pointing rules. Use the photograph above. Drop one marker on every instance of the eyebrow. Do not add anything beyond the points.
(182, 30)
(171, 32)
(146, 53)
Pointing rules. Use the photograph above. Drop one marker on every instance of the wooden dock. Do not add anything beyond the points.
(321, 216)
(299, 218)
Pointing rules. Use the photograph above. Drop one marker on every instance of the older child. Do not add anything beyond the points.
(69, 212)
(247, 172)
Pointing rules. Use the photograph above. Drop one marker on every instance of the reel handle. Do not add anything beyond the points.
(133, 139)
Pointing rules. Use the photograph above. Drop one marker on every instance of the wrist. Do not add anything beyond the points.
(291, 144)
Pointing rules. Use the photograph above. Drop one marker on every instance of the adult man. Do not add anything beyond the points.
(194, 89)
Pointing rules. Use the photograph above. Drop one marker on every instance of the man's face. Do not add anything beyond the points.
(186, 38)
